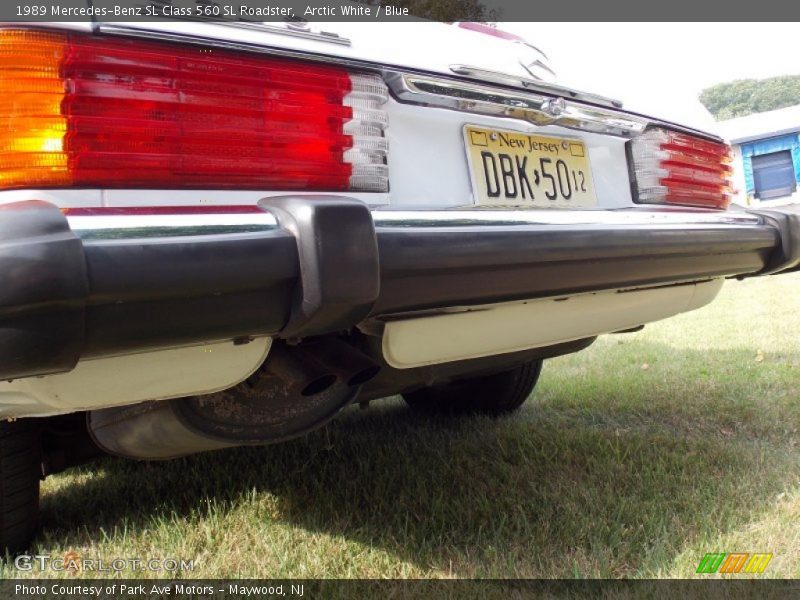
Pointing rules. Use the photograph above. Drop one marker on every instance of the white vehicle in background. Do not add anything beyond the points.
(217, 234)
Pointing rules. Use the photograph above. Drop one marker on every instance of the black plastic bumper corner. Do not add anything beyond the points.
(43, 291)
(786, 255)
(325, 267)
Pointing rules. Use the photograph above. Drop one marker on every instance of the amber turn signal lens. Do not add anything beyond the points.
(32, 127)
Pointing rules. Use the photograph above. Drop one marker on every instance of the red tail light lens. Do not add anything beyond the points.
(677, 168)
(87, 111)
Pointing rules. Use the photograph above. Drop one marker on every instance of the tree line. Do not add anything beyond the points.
(747, 96)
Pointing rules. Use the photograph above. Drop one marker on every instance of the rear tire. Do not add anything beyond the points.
(492, 395)
(20, 473)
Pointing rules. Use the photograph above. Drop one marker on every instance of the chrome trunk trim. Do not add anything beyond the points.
(536, 85)
(524, 106)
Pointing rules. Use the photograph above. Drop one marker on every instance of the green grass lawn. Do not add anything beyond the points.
(632, 459)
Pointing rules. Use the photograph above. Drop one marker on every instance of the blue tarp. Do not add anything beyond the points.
(776, 144)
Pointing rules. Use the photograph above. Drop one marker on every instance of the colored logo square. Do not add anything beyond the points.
(478, 138)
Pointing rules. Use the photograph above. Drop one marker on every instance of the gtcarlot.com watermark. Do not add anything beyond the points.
(71, 562)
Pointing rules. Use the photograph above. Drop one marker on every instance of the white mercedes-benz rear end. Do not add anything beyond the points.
(216, 234)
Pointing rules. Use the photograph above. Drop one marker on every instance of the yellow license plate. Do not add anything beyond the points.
(509, 168)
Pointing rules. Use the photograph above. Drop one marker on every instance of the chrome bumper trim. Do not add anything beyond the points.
(605, 218)
(137, 226)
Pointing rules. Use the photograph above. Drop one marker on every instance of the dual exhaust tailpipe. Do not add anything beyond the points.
(311, 368)
(298, 389)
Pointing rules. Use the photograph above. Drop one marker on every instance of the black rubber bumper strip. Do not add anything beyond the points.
(430, 267)
(173, 291)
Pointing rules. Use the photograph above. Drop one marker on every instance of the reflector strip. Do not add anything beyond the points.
(370, 148)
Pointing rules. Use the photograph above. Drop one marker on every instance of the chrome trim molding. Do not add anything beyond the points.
(532, 108)
(626, 217)
(536, 85)
(139, 226)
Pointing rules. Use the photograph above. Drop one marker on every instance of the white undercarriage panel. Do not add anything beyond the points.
(502, 328)
(133, 378)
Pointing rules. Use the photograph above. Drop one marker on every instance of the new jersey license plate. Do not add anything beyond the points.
(509, 168)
